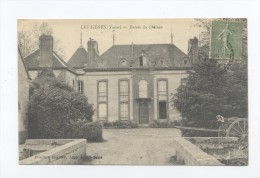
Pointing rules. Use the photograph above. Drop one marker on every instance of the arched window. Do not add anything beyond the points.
(102, 64)
(123, 62)
(142, 60)
(143, 89)
(162, 62)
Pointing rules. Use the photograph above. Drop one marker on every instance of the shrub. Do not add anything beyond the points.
(163, 124)
(117, 124)
(55, 109)
(120, 124)
(92, 132)
(177, 122)
(126, 124)
(160, 124)
(154, 124)
(107, 124)
(133, 124)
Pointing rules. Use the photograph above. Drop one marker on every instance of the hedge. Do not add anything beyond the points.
(92, 132)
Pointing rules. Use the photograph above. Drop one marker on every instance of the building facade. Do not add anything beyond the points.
(23, 98)
(127, 82)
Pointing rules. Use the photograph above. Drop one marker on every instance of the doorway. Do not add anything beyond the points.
(143, 113)
(163, 110)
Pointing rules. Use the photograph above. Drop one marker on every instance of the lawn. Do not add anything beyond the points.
(141, 146)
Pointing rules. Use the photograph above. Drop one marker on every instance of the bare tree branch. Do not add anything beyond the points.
(28, 41)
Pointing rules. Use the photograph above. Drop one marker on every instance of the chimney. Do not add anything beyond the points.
(193, 50)
(92, 49)
(46, 51)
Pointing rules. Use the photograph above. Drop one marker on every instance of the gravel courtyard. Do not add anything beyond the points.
(142, 146)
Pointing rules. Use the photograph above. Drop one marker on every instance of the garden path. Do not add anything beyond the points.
(141, 146)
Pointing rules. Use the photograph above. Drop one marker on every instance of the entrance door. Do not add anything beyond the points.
(162, 110)
(143, 113)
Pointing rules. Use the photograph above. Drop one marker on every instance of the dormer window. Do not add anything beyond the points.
(142, 61)
(123, 62)
(161, 62)
(102, 63)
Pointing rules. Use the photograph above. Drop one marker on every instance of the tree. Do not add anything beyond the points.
(212, 88)
(28, 40)
(55, 109)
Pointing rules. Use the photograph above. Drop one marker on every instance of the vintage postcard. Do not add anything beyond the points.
(133, 92)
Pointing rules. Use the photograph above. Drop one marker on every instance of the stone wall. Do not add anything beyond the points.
(23, 99)
(192, 155)
(66, 152)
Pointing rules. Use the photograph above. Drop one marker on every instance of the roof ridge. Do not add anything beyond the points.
(26, 69)
(118, 45)
(31, 53)
(144, 44)
(59, 58)
(64, 63)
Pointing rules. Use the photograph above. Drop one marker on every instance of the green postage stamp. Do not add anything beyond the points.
(226, 40)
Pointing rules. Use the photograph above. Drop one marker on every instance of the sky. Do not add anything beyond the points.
(126, 31)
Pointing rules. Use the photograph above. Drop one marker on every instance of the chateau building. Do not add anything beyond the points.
(126, 82)
(23, 98)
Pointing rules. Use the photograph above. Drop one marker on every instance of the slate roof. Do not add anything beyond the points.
(25, 67)
(111, 59)
(79, 58)
(32, 61)
(172, 56)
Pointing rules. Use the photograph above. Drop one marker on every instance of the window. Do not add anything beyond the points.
(185, 61)
(102, 108)
(102, 100)
(143, 90)
(162, 62)
(162, 109)
(162, 94)
(73, 84)
(142, 60)
(102, 63)
(80, 86)
(123, 111)
(162, 90)
(123, 99)
(123, 62)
